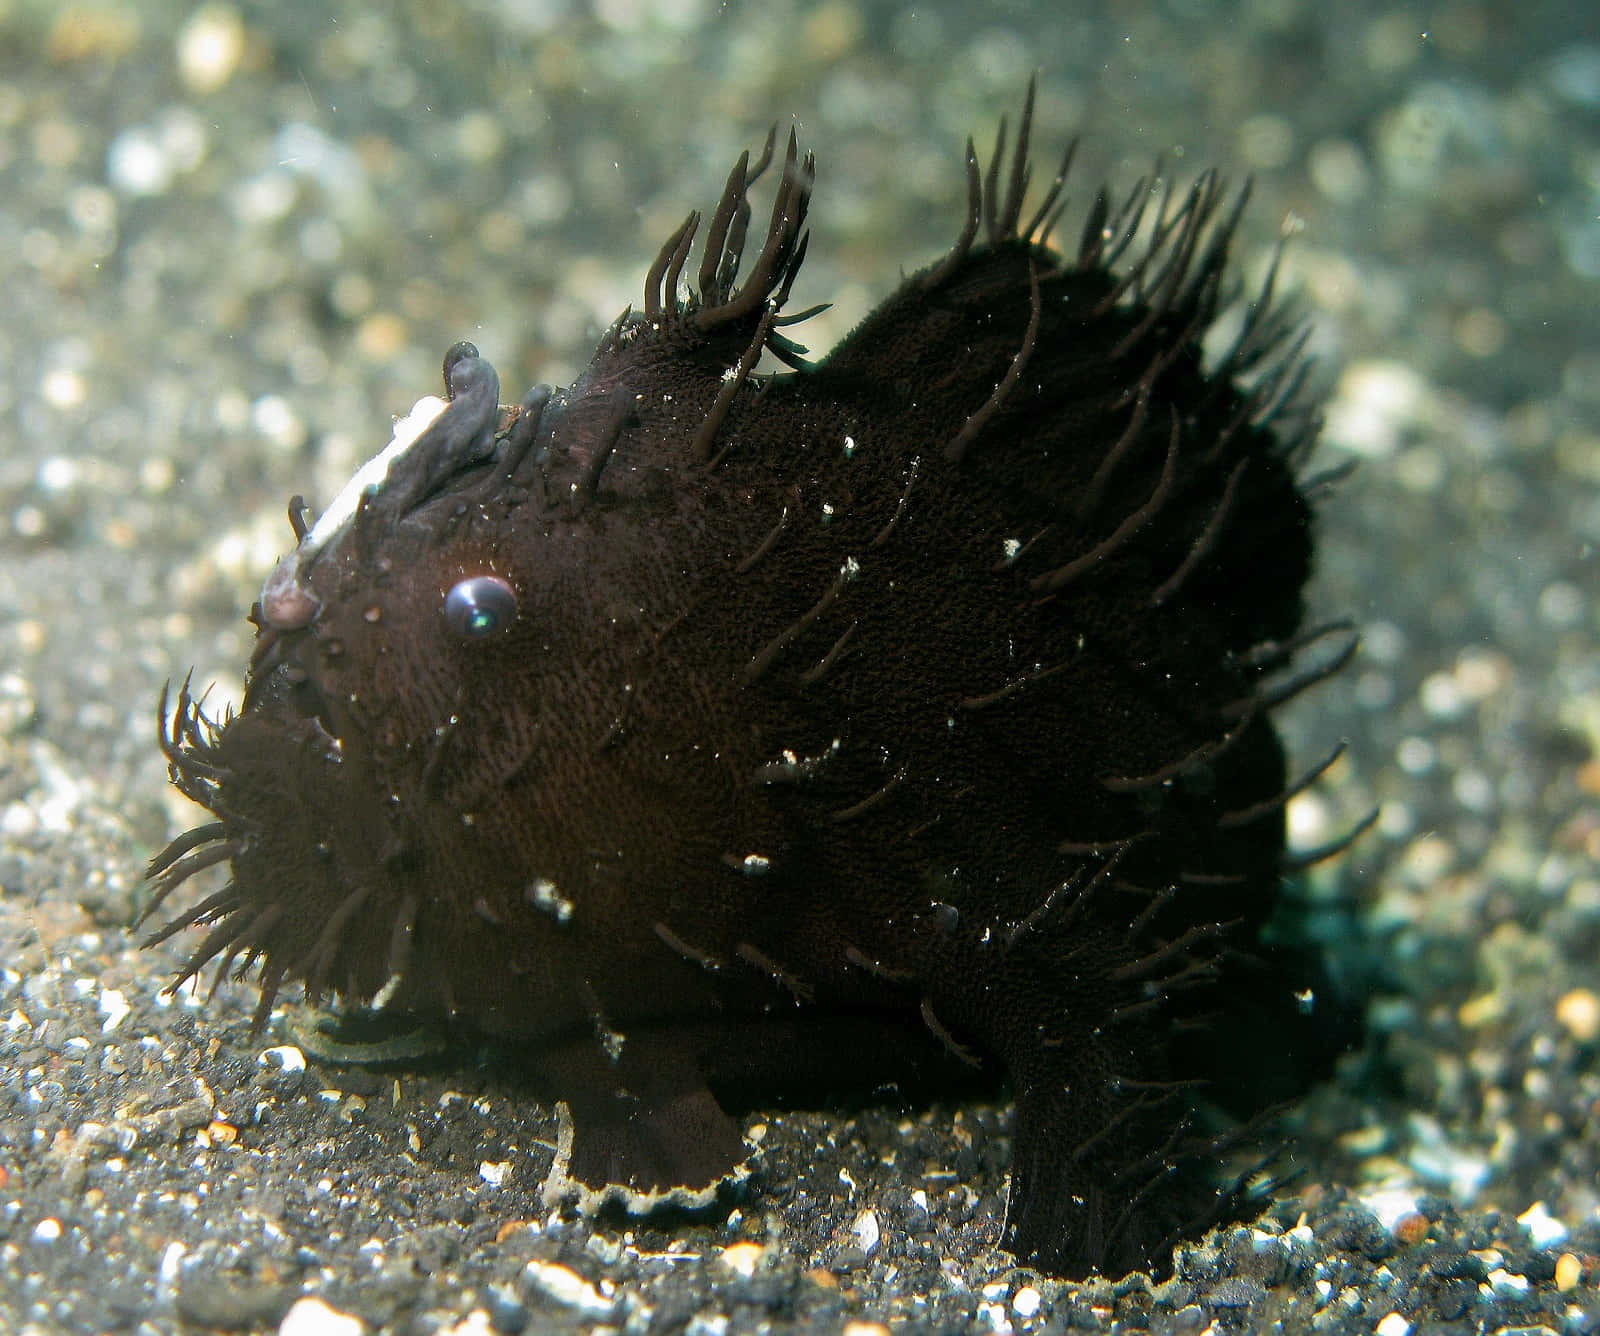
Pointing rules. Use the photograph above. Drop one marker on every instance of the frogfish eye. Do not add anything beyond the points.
(480, 607)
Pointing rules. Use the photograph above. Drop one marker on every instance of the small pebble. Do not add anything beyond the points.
(1411, 1229)
(137, 164)
(1578, 1012)
(1502, 1281)
(311, 1317)
(743, 1257)
(210, 46)
(564, 1286)
(867, 1232)
(1543, 1228)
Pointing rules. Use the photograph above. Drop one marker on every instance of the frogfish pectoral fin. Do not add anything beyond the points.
(660, 1140)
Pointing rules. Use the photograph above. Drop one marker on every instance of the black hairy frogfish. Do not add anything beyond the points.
(732, 726)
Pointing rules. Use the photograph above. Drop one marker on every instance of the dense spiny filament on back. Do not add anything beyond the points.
(1120, 1083)
(262, 923)
(1107, 234)
(587, 487)
(877, 968)
(1159, 900)
(1203, 755)
(1095, 848)
(1044, 908)
(1001, 220)
(1189, 878)
(800, 317)
(1095, 490)
(1283, 383)
(693, 954)
(725, 241)
(969, 230)
(1158, 1160)
(1178, 948)
(1091, 241)
(1002, 226)
(768, 654)
(1011, 688)
(1045, 217)
(1289, 688)
(1080, 897)
(767, 543)
(824, 665)
(659, 296)
(937, 1030)
(1182, 284)
(1201, 973)
(1204, 542)
(1307, 858)
(1329, 479)
(1270, 655)
(1127, 1013)
(872, 800)
(706, 434)
(775, 265)
(798, 988)
(1262, 330)
(733, 197)
(1243, 816)
(980, 418)
(1130, 287)
(1052, 581)
(520, 438)
(669, 290)
(882, 536)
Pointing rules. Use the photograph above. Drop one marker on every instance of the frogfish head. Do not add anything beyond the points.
(407, 794)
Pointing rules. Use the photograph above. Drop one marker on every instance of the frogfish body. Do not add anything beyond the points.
(714, 734)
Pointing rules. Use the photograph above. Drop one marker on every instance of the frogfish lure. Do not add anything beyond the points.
(732, 726)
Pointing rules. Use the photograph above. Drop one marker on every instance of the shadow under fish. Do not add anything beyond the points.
(713, 735)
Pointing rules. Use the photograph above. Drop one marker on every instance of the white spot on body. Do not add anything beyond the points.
(545, 895)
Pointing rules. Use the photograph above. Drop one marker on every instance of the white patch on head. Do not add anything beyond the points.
(370, 475)
(286, 599)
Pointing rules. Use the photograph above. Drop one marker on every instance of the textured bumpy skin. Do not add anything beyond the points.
(715, 735)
